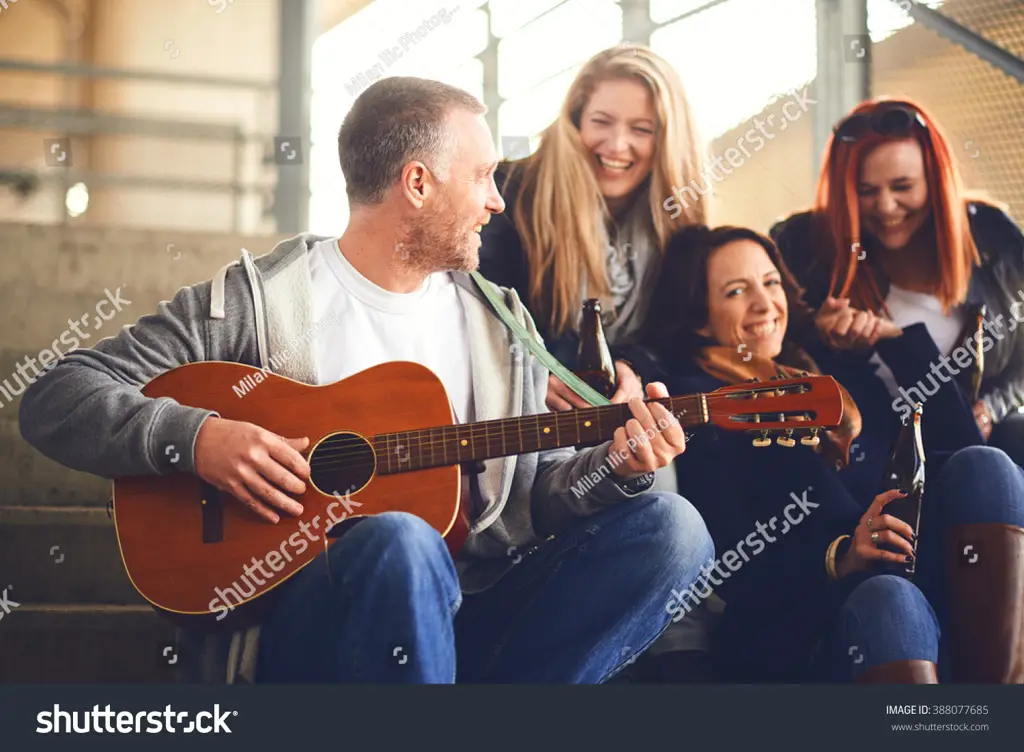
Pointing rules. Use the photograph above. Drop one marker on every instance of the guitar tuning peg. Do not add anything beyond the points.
(811, 440)
(763, 440)
(787, 440)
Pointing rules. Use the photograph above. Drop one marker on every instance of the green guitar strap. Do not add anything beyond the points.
(571, 380)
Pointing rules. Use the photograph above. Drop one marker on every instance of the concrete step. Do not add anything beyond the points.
(29, 478)
(63, 555)
(75, 644)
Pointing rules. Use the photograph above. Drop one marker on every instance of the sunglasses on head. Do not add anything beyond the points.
(886, 120)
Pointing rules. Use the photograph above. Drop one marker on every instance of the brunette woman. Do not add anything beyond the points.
(803, 597)
(891, 235)
(584, 216)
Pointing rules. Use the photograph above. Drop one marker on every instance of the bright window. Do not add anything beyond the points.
(386, 38)
(736, 57)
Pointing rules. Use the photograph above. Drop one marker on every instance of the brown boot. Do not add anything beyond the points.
(900, 672)
(986, 602)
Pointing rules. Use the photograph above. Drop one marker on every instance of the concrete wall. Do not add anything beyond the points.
(51, 273)
(774, 181)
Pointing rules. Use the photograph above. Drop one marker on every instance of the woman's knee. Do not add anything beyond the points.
(974, 463)
(981, 484)
(887, 618)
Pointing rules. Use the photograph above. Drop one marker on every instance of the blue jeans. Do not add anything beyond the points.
(383, 604)
(888, 618)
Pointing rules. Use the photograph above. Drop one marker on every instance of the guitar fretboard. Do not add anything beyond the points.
(470, 442)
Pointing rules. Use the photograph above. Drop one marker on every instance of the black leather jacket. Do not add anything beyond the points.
(998, 283)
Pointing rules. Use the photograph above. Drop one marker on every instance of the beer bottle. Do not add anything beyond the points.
(594, 361)
(905, 470)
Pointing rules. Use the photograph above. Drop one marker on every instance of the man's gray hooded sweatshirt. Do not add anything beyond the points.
(89, 414)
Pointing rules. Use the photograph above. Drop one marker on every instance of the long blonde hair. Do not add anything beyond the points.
(559, 198)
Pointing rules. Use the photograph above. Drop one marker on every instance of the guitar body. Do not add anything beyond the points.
(184, 543)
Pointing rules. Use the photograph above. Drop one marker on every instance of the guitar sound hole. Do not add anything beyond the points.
(342, 463)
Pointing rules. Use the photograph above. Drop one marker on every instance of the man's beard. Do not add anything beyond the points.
(436, 244)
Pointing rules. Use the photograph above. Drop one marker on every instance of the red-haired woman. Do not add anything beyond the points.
(892, 237)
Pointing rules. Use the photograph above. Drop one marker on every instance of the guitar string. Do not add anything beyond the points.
(351, 446)
(340, 446)
(409, 466)
(495, 429)
(357, 448)
(476, 429)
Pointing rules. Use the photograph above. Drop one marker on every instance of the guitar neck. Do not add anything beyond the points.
(471, 442)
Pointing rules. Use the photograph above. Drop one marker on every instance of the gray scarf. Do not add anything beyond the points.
(631, 266)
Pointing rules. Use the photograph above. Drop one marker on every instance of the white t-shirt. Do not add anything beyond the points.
(427, 326)
(908, 307)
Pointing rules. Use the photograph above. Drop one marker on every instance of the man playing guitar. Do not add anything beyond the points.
(552, 585)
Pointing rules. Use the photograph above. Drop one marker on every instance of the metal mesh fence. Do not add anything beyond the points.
(979, 107)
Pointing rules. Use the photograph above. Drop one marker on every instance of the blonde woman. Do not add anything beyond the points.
(585, 214)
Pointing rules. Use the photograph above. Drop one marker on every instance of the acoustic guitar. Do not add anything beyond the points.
(381, 440)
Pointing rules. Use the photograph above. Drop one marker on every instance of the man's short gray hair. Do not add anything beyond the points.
(394, 121)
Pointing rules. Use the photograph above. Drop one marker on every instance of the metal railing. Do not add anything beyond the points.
(964, 61)
(87, 123)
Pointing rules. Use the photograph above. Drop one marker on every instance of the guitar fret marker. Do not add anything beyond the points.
(464, 442)
(586, 423)
(547, 429)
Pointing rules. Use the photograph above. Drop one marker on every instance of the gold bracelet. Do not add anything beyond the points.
(829, 560)
(830, 557)
(835, 550)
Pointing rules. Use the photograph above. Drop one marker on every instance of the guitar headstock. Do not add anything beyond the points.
(802, 405)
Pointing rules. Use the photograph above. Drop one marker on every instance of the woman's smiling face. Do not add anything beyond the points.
(618, 127)
(893, 192)
(746, 301)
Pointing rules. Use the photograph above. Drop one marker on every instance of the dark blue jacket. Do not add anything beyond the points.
(780, 601)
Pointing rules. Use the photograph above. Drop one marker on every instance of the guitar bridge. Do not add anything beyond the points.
(213, 514)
